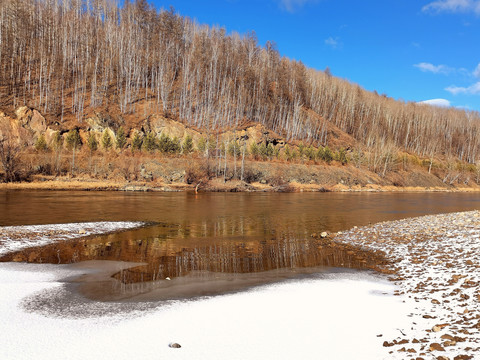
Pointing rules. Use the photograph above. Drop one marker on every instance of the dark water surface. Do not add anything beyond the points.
(233, 212)
(216, 233)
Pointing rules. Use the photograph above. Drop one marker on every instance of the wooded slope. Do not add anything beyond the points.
(70, 57)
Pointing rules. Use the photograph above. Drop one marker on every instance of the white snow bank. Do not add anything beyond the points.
(15, 238)
(333, 316)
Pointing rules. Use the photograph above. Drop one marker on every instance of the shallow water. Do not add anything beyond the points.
(197, 235)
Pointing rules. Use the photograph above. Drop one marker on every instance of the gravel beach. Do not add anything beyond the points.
(436, 265)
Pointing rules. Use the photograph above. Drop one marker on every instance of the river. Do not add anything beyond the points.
(252, 238)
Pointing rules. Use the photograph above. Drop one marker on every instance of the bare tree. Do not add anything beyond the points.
(71, 57)
(10, 157)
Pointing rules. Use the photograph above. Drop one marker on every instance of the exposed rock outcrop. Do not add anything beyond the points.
(32, 120)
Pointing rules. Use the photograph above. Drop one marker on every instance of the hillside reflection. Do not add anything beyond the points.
(174, 250)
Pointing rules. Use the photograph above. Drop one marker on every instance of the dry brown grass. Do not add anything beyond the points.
(115, 171)
(68, 183)
(63, 184)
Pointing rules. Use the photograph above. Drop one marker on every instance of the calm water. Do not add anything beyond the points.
(237, 213)
(215, 232)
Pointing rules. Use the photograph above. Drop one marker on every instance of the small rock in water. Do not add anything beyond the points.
(175, 345)
(324, 234)
(82, 231)
(167, 278)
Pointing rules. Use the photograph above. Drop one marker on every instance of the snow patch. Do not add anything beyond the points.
(16, 238)
(330, 316)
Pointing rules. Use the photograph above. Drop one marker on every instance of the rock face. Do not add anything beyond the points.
(31, 120)
(146, 175)
(97, 125)
(255, 134)
(49, 135)
(37, 122)
(23, 113)
(160, 125)
(100, 122)
(13, 129)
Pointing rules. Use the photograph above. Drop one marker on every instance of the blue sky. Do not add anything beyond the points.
(410, 50)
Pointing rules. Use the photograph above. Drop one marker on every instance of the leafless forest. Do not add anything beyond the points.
(67, 57)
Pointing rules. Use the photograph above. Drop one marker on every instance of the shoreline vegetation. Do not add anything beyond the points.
(76, 184)
(89, 184)
(173, 157)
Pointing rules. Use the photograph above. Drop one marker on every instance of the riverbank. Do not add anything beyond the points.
(89, 184)
(436, 265)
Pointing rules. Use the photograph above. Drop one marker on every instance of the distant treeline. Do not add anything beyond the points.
(67, 57)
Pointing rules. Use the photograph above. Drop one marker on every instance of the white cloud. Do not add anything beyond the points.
(293, 5)
(436, 69)
(437, 102)
(331, 42)
(476, 72)
(447, 70)
(334, 43)
(453, 6)
(471, 90)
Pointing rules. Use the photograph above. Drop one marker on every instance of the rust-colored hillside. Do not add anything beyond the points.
(75, 74)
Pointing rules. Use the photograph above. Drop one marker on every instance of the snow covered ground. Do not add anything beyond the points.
(326, 316)
(15, 238)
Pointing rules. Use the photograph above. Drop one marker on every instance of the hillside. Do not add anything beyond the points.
(94, 67)
(160, 154)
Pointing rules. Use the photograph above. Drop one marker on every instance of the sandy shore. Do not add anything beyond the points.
(436, 264)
